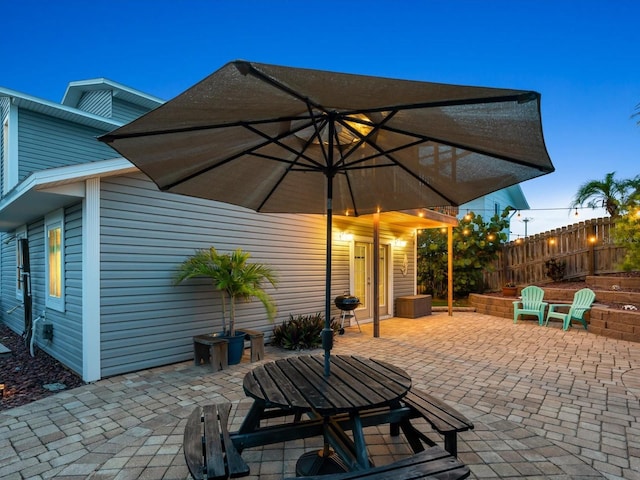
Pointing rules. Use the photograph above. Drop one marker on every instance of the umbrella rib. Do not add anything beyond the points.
(521, 97)
(276, 141)
(411, 173)
(268, 141)
(462, 146)
(246, 68)
(318, 129)
(110, 137)
(362, 138)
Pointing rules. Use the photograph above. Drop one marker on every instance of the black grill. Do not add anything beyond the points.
(347, 302)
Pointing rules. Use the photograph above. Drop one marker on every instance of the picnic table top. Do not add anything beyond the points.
(299, 383)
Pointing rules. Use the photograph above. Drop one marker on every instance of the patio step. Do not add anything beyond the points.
(607, 283)
(455, 309)
(4, 351)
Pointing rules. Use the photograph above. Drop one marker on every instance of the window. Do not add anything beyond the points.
(20, 234)
(54, 260)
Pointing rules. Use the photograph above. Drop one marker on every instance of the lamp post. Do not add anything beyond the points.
(526, 221)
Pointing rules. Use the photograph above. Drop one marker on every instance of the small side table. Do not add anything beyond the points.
(208, 349)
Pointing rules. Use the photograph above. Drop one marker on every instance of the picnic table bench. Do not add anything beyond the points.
(208, 449)
(210, 454)
(430, 463)
(444, 419)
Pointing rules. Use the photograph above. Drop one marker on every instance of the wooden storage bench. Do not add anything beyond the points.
(208, 349)
(256, 339)
(413, 306)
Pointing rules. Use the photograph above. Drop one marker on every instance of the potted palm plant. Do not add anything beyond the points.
(237, 280)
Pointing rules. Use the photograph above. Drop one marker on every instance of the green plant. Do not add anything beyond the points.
(476, 244)
(301, 332)
(554, 269)
(627, 234)
(234, 277)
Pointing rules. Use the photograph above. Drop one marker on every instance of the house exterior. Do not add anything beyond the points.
(495, 203)
(104, 242)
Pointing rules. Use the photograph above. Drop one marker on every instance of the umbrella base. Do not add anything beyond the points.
(319, 463)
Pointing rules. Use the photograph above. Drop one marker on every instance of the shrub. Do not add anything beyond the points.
(555, 269)
(301, 332)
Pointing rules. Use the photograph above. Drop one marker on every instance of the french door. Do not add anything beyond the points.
(362, 275)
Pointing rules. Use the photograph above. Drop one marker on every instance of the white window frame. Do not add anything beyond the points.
(53, 221)
(20, 232)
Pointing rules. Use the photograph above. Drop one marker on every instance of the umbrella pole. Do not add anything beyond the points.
(327, 333)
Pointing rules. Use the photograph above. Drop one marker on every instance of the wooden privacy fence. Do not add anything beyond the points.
(586, 248)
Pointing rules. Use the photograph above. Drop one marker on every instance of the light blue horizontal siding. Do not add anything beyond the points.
(45, 143)
(125, 112)
(145, 234)
(66, 345)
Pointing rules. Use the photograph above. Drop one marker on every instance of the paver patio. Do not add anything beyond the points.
(545, 404)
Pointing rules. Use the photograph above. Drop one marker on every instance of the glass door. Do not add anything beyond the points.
(363, 279)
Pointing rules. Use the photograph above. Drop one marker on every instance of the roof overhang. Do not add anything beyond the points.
(56, 110)
(519, 201)
(75, 90)
(48, 190)
(418, 219)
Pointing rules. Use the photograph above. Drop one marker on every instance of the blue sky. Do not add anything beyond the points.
(583, 56)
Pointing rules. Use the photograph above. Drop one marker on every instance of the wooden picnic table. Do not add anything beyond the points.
(345, 400)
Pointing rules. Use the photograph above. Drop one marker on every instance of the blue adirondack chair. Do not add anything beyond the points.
(530, 304)
(582, 301)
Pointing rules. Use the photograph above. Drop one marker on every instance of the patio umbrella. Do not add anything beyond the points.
(292, 140)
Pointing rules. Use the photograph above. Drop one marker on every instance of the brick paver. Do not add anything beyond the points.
(545, 404)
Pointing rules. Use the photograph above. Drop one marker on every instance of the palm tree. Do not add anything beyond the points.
(611, 194)
(234, 277)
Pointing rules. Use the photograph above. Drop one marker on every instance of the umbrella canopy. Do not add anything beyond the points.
(291, 140)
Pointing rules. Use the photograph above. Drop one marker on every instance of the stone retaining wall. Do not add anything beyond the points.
(614, 323)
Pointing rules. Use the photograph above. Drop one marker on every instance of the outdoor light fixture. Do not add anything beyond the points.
(576, 213)
(352, 129)
(399, 243)
(346, 237)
